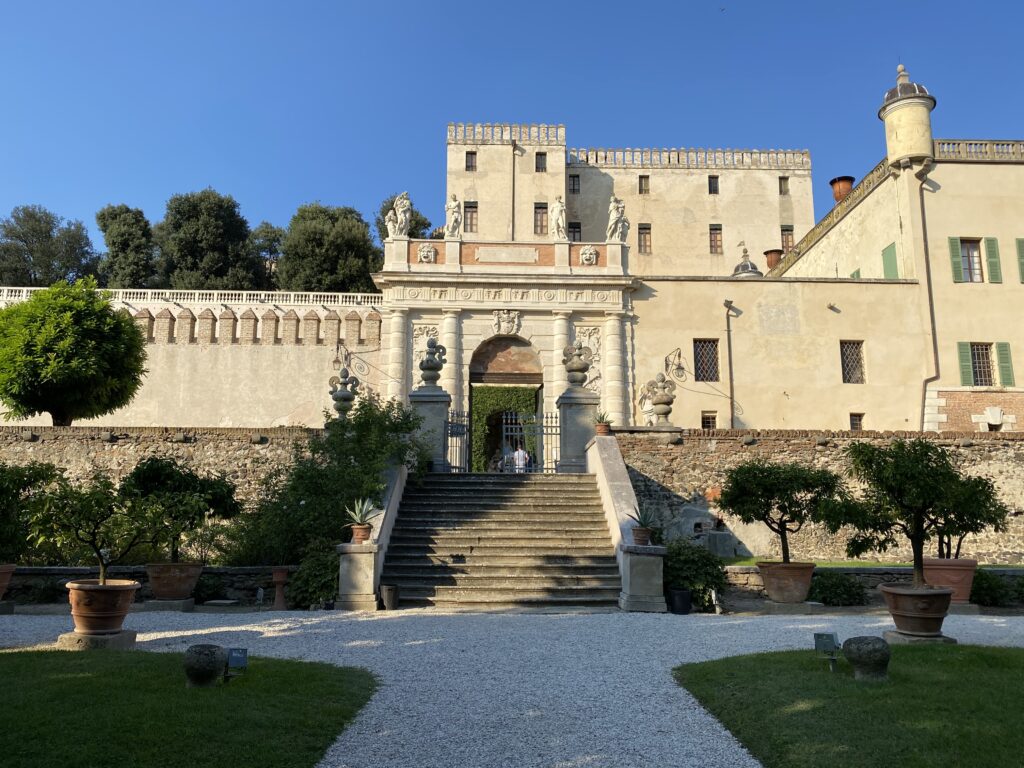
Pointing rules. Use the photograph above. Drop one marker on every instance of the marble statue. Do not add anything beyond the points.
(618, 224)
(391, 222)
(558, 219)
(454, 211)
(403, 214)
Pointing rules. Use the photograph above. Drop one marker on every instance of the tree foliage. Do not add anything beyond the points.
(21, 493)
(781, 496)
(38, 248)
(327, 249)
(204, 243)
(419, 225)
(129, 261)
(913, 490)
(265, 242)
(488, 405)
(693, 567)
(66, 352)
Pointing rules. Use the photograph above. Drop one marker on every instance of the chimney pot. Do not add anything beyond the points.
(841, 186)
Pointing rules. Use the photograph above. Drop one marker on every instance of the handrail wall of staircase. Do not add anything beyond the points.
(383, 524)
(604, 460)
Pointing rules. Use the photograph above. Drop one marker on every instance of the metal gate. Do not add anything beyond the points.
(456, 431)
(529, 443)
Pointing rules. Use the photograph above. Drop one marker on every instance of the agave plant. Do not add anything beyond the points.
(361, 512)
(644, 517)
(602, 418)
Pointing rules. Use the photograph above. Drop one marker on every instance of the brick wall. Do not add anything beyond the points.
(959, 406)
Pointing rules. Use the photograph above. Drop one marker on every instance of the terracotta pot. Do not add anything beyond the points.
(361, 533)
(642, 536)
(6, 571)
(918, 612)
(772, 257)
(603, 429)
(173, 581)
(786, 582)
(958, 574)
(99, 609)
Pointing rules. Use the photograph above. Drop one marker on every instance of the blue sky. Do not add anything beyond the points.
(284, 103)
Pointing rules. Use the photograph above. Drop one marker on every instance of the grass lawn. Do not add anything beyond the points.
(95, 709)
(954, 705)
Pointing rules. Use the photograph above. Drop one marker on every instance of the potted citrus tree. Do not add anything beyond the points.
(913, 492)
(784, 497)
(183, 502)
(20, 489)
(96, 516)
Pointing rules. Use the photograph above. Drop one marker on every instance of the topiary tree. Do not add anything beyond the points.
(65, 351)
(782, 496)
(912, 490)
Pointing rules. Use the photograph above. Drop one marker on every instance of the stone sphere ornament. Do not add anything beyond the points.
(204, 663)
(343, 391)
(869, 657)
(432, 363)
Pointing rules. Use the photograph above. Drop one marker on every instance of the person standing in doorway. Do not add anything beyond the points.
(520, 459)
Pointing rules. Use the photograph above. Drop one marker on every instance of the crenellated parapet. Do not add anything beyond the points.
(506, 133)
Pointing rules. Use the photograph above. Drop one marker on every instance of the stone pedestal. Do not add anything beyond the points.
(452, 255)
(396, 254)
(562, 256)
(356, 569)
(432, 404)
(894, 637)
(184, 606)
(577, 408)
(6, 607)
(642, 582)
(122, 641)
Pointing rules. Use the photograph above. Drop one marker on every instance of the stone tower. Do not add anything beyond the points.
(906, 111)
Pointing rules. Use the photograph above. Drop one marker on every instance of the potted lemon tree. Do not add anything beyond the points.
(784, 497)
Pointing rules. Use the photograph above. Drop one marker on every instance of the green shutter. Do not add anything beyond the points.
(963, 351)
(855, 274)
(889, 269)
(1020, 258)
(995, 269)
(956, 259)
(1005, 363)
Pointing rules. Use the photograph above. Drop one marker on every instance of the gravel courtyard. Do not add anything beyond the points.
(472, 690)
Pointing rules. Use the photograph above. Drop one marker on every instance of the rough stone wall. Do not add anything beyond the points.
(681, 473)
(244, 456)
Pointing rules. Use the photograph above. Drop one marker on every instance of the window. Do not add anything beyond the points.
(783, 185)
(575, 231)
(574, 184)
(981, 365)
(705, 359)
(787, 239)
(856, 422)
(540, 218)
(965, 255)
(978, 365)
(471, 161)
(715, 238)
(469, 219)
(970, 261)
(540, 164)
(643, 236)
(709, 419)
(851, 356)
(645, 185)
(712, 185)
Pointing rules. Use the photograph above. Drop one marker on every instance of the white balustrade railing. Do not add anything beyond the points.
(972, 150)
(158, 296)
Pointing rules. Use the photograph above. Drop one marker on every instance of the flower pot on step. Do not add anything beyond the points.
(6, 571)
(642, 536)
(361, 533)
(99, 609)
(602, 429)
(173, 581)
(786, 582)
(918, 612)
(957, 574)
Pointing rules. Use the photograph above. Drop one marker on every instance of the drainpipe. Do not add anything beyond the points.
(728, 347)
(513, 232)
(922, 176)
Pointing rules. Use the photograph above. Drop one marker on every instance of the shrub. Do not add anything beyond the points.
(1018, 589)
(208, 588)
(989, 589)
(833, 588)
(690, 566)
(316, 581)
(21, 490)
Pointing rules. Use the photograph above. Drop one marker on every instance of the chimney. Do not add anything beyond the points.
(774, 256)
(841, 186)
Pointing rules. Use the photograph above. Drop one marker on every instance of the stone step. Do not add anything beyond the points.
(518, 583)
(526, 562)
(469, 504)
(496, 595)
(523, 518)
(398, 570)
(505, 480)
(411, 526)
(554, 537)
(540, 549)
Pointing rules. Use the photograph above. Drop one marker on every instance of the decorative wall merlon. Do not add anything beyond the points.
(506, 133)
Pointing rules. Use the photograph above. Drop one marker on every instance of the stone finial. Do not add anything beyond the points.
(577, 360)
(343, 391)
(432, 363)
(902, 76)
(661, 394)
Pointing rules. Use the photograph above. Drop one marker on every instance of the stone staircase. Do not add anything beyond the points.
(501, 540)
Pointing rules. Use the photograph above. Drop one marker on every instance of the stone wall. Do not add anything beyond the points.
(244, 456)
(681, 473)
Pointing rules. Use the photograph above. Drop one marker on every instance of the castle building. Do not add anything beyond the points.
(895, 311)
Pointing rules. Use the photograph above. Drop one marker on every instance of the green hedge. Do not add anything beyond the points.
(490, 400)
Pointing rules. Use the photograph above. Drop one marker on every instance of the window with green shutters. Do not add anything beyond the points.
(890, 271)
(976, 364)
(1020, 258)
(955, 260)
(995, 269)
(855, 274)
(1004, 363)
(965, 258)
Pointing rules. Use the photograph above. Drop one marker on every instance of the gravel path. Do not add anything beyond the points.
(517, 690)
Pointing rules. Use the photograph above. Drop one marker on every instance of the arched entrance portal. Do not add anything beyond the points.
(505, 374)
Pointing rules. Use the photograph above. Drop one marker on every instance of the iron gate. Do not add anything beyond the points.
(456, 430)
(537, 437)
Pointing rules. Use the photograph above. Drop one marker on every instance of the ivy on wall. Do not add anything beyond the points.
(490, 400)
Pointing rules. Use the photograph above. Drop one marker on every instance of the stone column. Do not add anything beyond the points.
(614, 373)
(451, 338)
(432, 403)
(559, 341)
(577, 408)
(398, 339)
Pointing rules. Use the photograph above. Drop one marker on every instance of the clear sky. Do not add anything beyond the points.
(283, 103)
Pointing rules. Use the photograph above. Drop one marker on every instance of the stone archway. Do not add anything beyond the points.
(506, 360)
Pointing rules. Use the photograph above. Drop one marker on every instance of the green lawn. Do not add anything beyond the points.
(96, 709)
(943, 705)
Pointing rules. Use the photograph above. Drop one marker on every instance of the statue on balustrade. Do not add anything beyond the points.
(403, 214)
(558, 219)
(618, 224)
(454, 211)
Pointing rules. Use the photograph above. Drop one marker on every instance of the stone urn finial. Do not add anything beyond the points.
(343, 391)
(577, 360)
(661, 393)
(432, 363)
